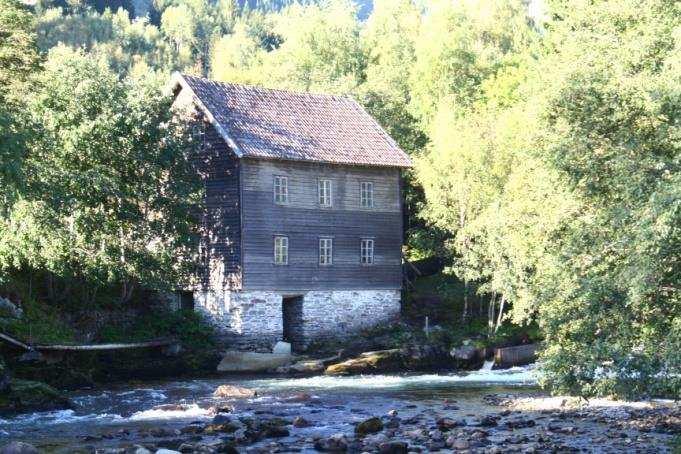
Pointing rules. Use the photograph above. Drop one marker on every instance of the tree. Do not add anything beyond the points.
(611, 122)
(18, 58)
(110, 188)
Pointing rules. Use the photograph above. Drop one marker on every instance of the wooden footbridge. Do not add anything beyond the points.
(158, 343)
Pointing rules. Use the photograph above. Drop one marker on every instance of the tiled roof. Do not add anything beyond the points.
(276, 124)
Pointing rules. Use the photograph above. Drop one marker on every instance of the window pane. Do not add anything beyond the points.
(367, 252)
(280, 189)
(325, 192)
(325, 251)
(280, 250)
(367, 194)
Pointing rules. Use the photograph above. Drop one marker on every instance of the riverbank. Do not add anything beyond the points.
(483, 411)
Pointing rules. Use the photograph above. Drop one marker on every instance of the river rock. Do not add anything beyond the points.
(464, 353)
(230, 391)
(300, 422)
(307, 367)
(393, 447)
(227, 427)
(27, 396)
(369, 426)
(370, 362)
(334, 443)
(221, 419)
(282, 348)
(449, 423)
(9, 310)
(236, 361)
(298, 398)
(19, 447)
(167, 451)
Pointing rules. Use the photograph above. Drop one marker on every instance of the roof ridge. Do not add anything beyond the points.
(345, 96)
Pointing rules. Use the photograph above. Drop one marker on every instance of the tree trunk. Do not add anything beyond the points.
(490, 312)
(501, 312)
(127, 288)
(464, 316)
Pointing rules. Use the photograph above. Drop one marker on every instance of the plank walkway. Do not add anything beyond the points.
(91, 347)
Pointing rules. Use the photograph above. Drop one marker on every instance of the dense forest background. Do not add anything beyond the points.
(546, 139)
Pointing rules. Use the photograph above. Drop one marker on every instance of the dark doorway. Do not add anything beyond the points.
(292, 317)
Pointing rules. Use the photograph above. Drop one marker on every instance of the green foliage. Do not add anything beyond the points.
(40, 323)
(613, 134)
(18, 58)
(110, 189)
(556, 171)
(185, 325)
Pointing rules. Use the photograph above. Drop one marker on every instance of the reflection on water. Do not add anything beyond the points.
(338, 402)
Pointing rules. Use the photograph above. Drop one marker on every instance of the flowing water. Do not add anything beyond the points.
(119, 415)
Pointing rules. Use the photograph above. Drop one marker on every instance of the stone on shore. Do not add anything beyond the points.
(234, 392)
(236, 361)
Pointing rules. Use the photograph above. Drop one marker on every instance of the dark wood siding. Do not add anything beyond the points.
(221, 238)
(304, 222)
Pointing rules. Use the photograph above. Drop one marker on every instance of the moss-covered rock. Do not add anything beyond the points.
(370, 362)
(26, 396)
(369, 426)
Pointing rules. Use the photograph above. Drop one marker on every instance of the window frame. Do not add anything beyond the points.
(321, 187)
(280, 182)
(362, 249)
(281, 242)
(366, 194)
(325, 245)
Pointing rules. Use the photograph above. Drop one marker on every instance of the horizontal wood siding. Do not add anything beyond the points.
(304, 222)
(221, 239)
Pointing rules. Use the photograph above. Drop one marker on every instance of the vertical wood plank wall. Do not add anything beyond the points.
(221, 223)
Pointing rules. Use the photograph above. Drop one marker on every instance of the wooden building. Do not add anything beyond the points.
(303, 213)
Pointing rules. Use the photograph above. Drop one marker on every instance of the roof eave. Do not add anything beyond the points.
(178, 80)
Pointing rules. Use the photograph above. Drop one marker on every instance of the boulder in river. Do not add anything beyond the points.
(234, 392)
(369, 426)
(300, 422)
(334, 443)
(369, 362)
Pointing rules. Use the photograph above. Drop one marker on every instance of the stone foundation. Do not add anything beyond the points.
(254, 320)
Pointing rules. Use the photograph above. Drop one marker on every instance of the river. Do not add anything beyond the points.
(343, 401)
(158, 414)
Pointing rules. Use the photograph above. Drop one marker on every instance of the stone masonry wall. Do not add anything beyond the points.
(341, 314)
(254, 320)
(243, 320)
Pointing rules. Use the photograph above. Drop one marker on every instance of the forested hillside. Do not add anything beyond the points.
(547, 151)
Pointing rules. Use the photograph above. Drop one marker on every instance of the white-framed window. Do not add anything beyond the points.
(326, 251)
(281, 250)
(366, 194)
(325, 193)
(366, 251)
(280, 189)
